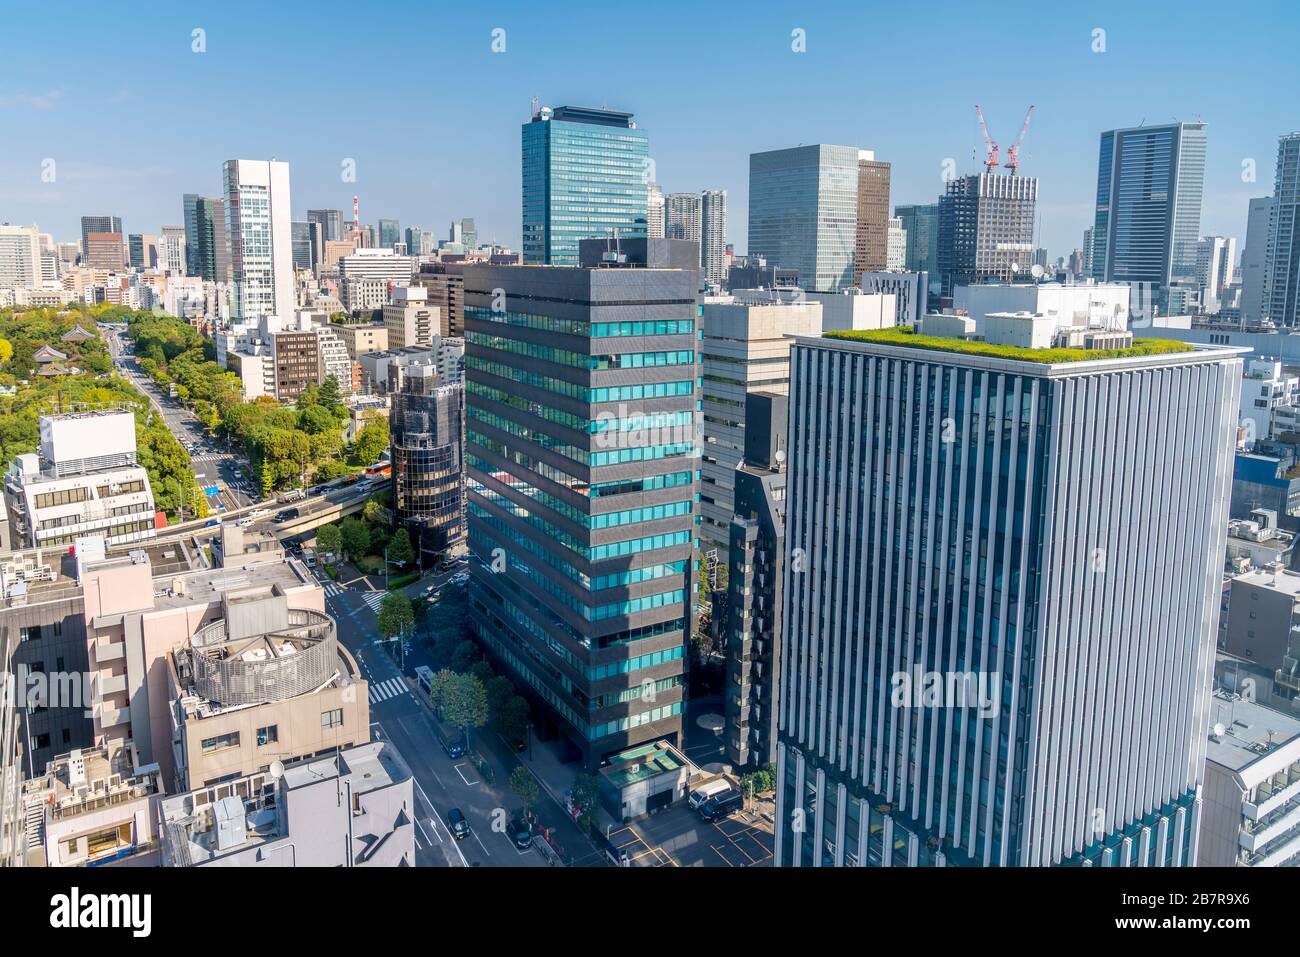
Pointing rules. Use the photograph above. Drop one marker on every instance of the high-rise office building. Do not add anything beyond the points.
(1215, 258)
(921, 224)
(415, 244)
(190, 206)
(896, 248)
(1281, 295)
(655, 215)
(331, 228)
(469, 234)
(1087, 251)
(584, 177)
(683, 217)
(211, 258)
(260, 237)
(301, 233)
(1148, 219)
(427, 439)
(1254, 259)
(751, 628)
(986, 229)
(390, 233)
(581, 484)
(962, 580)
(746, 348)
(713, 236)
(105, 251)
(803, 212)
(20, 257)
(870, 245)
(98, 224)
(172, 253)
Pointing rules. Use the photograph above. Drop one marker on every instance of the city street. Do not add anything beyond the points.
(400, 715)
(214, 465)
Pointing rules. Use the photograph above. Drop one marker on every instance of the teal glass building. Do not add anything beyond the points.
(585, 174)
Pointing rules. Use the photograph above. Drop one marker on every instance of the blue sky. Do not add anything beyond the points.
(133, 118)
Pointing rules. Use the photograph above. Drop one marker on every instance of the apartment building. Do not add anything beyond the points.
(409, 319)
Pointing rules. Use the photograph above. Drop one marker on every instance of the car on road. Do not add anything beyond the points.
(454, 747)
(427, 590)
(212, 521)
(457, 824)
(245, 522)
(285, 515)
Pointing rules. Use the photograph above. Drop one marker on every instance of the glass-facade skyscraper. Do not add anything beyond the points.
(996, 652)
(1148, 218)
(582, 391)
(803, 212)
(1281, 297)
(585, 175)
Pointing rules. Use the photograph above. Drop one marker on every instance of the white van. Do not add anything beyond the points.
(706, 791)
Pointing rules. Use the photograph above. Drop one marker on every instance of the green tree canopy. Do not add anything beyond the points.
(328, 539)
(524, 785)
(399, 547)
(395, 614)
(354, 537)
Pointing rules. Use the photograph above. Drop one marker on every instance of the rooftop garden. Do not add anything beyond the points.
(905, 336)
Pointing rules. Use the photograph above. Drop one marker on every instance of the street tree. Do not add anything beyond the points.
(399, 547)
(585, 792)
(513, 723)
(354, 537)
(328, 539)
(464, 703)
(395, 615)
(524, 785)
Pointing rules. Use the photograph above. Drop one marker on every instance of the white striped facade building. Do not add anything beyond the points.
(1048, 539)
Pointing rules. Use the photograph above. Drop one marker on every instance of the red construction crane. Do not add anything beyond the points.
(1013, 154)
(989, 146)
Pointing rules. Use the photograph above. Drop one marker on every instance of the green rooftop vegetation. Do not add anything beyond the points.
(905, 336)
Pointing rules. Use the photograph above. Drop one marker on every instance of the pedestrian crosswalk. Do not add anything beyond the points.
(387, 689)
(210, 457)
(374, 599)
(332, 589)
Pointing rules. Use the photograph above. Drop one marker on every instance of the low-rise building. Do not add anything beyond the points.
(1251, 797)
(353, 809)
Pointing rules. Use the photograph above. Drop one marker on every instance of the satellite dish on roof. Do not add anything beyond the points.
(780, 455)
(277, 769)
(1037, 271)
(1015, 268)
(1219, 730)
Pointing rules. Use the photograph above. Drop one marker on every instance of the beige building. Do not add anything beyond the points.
(410, 319)
(746, 348)
(361, 338)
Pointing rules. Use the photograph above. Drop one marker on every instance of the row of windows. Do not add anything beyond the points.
(625, 393)
(639, 453)
(581, 327)
(637, 720)
(579, 360)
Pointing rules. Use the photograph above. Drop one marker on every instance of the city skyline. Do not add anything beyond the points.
(914, 119)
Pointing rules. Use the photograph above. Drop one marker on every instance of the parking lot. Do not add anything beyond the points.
(678, 837)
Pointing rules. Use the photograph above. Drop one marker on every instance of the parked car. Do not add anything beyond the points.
(454, 747)
(520, 831)
(721, 805)
(457, 824)
(702, 793)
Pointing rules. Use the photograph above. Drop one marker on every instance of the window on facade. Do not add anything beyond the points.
(268, 735)
(332, 719)
(221, 742)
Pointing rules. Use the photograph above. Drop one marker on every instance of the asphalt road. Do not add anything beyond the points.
(400, 715)
(213, 463)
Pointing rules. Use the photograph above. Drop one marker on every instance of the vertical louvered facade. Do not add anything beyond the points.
(1043, 539)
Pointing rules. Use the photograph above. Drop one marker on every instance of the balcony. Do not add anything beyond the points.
(110, 651)
(110, 716)
(111, 684)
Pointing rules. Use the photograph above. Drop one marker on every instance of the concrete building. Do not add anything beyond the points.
(1148, 218)
(1080, 304)
(409, 318)
(803, 212)
(909, 290)
(83, 481)
(20, 258)
(986, 229)
(713, 236)
(683, 217)
(921, 226)
(584, 176)
(361, 337)
(655, 214)
(97, 224)
(854, 309)
(92, 807)
(920, 640)
(1257, 542)
(580, 436)
(379, 370)
(746, 348)
(1252, 785)
(1263, 624)
(1265, 391)
(1216, 257)
(896, 251)
(427, 438)
(444, 287)
(356, 809)
(871, 235)
(260, 238)
(106, 251)
(369, 276)
(755, 272)
(1254, 261)
(755, 584)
